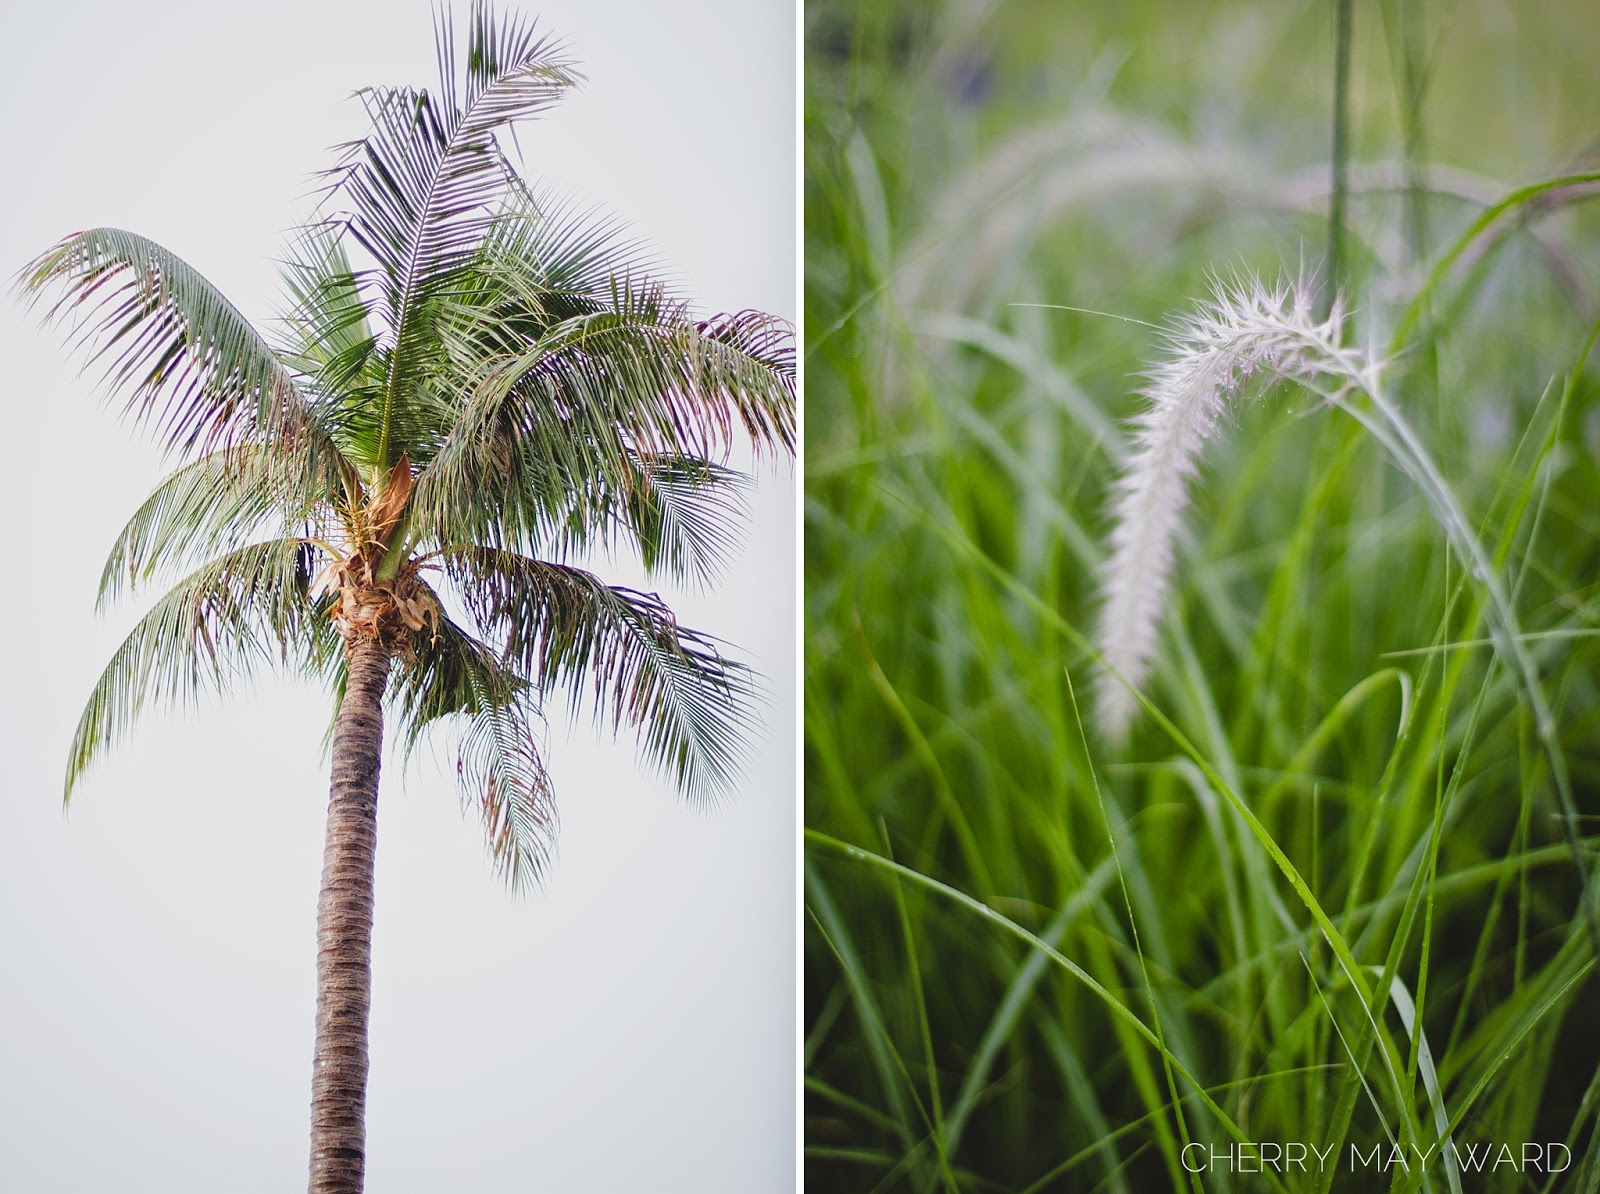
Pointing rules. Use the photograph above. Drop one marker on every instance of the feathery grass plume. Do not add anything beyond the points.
(1246, 329)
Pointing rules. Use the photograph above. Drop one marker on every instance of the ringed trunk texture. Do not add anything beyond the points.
(344, 928)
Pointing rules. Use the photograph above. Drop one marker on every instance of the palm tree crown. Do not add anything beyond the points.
(473, 384)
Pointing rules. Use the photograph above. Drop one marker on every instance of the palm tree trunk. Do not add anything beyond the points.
(344, 928)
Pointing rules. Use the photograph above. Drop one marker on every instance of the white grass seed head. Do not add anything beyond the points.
(1212, 353)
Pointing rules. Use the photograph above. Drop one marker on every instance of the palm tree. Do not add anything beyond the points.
(474, 385)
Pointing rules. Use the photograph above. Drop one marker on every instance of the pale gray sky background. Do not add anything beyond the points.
(631, 1026)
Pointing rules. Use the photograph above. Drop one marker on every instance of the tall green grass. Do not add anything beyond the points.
(1339, 886)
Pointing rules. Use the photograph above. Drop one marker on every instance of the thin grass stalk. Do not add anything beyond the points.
(1339, 189)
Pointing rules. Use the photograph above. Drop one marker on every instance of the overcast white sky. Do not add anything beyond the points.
(630, 1027)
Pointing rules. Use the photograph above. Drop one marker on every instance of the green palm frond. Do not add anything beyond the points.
(498, 766)
(424, 185)
(453, 679)
(448, 673)
(644, 373)
(563, 277)
(687, 516)
(327, 337)
(749, 355)
(247, 606)
(577, 410)
(543, 262)
(563, 627)
(546, 259)
(207, 508)
(190, 364)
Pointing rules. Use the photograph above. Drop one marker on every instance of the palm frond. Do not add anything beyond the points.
(548, 258)
(453, 679)
(191, 365)
(498, 766)
(577, 411)
(210, 629)
(448, 673)
(687, 516)
(562, 627)
(565, 276)
(424, 185)
(684, 515)
(326, 335)
(748, 356)
(207, 508)
(544, 261)
(643, 372)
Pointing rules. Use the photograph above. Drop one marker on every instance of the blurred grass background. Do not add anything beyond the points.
(995, 999)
